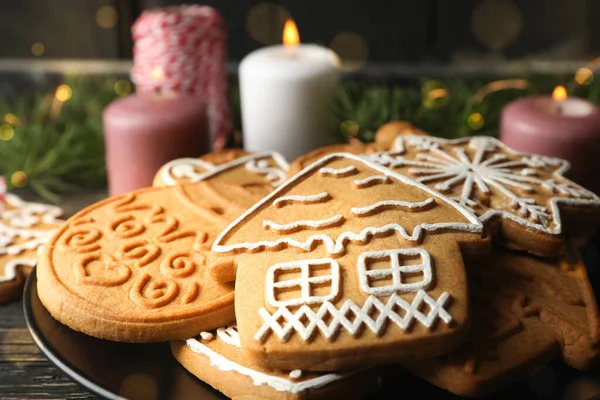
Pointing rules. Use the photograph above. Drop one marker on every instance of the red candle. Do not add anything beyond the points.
(557, 126)
(143, 132)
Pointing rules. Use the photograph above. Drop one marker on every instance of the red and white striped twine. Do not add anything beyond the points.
(183, 49)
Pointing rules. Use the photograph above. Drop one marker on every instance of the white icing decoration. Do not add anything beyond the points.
(337, 245)
(260, 378)
(394, 272)
(215, 170)
(371, 180)
(183, 168)
(229, 335)
(296, 374)
(495, 171)
(16, 223)
(339, 172)
(306, 322)
(206, 336)
(276, 175)
(304, 224)
(304, 283)
(312, 199)
(10, 269)
(25, 214)
(529, 172)
(392, 204)
(398, 144)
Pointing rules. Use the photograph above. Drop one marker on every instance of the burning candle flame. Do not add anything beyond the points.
(291, 37)
(559, 93)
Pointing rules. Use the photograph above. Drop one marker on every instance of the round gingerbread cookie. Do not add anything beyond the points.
(133, 267)
(24, 229)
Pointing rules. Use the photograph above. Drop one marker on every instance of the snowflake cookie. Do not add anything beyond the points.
(524, 195)
(217, 358)
(526, 311)
(348, 263)
(24, 229)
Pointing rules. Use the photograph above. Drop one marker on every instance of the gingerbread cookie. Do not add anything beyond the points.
(523, 197)
(384, 141)
(347, 264)
(388, 132)
(354, 147)
(132, 267)
(258, 168)
(526, 310)
(24, 229)
(217, 359)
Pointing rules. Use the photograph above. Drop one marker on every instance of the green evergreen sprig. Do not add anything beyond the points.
(58, 145)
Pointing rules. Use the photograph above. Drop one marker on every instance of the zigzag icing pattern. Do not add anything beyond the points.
(296, 321)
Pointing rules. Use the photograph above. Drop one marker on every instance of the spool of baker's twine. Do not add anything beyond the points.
(183, 49)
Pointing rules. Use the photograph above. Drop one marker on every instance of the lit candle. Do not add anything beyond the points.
(286, 93)
(558, 126)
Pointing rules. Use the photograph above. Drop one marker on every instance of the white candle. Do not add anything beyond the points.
(286, 94)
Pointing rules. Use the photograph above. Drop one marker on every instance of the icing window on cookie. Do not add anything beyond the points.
(301, 282)
(385, 272)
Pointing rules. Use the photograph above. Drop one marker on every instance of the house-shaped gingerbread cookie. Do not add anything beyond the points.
(348, 263)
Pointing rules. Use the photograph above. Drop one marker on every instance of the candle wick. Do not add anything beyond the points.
(559, 109)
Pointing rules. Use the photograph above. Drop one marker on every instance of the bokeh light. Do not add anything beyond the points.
(349, 128)
(38, 49)
(497, 23)
(265, 22)
(107, 17)
(63, 93)
(7, 132)
(435, 95)
(584, 76)
(122, 87)
(158, 73)
(19, 179)
(475, 121)
(11, 118)
(352, 49)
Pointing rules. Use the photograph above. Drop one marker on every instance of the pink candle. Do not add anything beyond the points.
(143, 132)
(567, 128)
(179, 66)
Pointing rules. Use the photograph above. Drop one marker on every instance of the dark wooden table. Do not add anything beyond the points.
(25, 373)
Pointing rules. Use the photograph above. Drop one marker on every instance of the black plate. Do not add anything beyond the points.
(148, 371)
